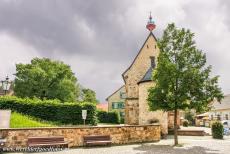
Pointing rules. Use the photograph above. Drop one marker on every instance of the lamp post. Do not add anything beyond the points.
(5, 85)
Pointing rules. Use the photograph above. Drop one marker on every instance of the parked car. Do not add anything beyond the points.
(226, 123)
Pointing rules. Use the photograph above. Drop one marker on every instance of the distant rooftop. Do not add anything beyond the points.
(102, 106)
(225, 103)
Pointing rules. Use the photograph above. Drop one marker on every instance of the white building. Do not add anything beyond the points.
(221, 110)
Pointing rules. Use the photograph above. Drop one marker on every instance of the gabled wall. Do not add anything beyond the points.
(116, 97)
(134, 74)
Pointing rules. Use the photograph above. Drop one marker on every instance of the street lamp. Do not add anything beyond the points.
(6, 85)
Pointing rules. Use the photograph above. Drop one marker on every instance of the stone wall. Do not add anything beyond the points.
(131, 111)
(144, 114)
(119, 134)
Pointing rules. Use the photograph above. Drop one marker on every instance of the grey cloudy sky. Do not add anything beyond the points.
(100, 38)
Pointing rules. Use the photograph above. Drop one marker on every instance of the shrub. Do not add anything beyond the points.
(190, 117)
(122, 121)
(185, 123)
(102, 116)
(108, 117)
(217, 130)
(51, 110)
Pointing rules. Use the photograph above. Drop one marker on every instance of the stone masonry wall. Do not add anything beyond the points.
(131, 111)
(119, 134)
(144, 114)
(135, 73)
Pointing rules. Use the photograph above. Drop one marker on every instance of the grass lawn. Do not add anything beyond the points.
(108, 124)
(22, 121)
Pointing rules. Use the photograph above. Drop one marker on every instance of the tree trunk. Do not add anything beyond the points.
(175, 128)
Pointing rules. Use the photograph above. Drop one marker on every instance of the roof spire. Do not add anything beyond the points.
(150, 25)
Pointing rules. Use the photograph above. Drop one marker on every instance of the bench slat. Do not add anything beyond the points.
(97, 140)
(48, 144)
(46, 141)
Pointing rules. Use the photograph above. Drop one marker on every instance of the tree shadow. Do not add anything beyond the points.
(167, 149)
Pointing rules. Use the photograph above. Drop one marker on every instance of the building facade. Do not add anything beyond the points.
(138, 79)
(220, 110)
(116, 101)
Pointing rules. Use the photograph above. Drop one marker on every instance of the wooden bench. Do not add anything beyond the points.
(97, 140)
(191, 132)
(54, 141)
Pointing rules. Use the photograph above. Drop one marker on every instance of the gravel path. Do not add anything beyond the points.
(191, 145)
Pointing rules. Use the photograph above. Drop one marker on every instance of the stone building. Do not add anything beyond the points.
(116, 101)
(138, 79)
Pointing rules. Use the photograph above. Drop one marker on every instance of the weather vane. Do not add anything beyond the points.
(150, 25)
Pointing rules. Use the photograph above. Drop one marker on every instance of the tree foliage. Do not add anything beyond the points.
(190, 116)
(89, 95)
(182, 78)
(44, 78)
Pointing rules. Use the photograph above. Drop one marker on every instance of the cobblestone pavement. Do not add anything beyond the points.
(190, 145)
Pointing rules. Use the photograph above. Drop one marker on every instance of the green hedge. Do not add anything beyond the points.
(108, 117)
(51, 110)
(217, 130)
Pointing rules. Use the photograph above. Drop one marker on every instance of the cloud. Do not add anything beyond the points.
(99, 39)
(13, 51)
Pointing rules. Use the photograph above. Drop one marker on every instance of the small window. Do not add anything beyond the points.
(147, 46)
(122, 95)
(152, 58)
(226, 116)
(218, 117)
(114, 105)
(155, 46)
(121, 105)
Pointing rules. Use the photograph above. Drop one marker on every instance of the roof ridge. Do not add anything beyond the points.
(114, 92)
(150, 34)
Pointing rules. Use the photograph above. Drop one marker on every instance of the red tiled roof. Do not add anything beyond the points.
(102, 106)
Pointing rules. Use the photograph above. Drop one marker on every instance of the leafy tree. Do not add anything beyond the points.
(182, 79)
(89, 96)
(44, 78)
(190, 116)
